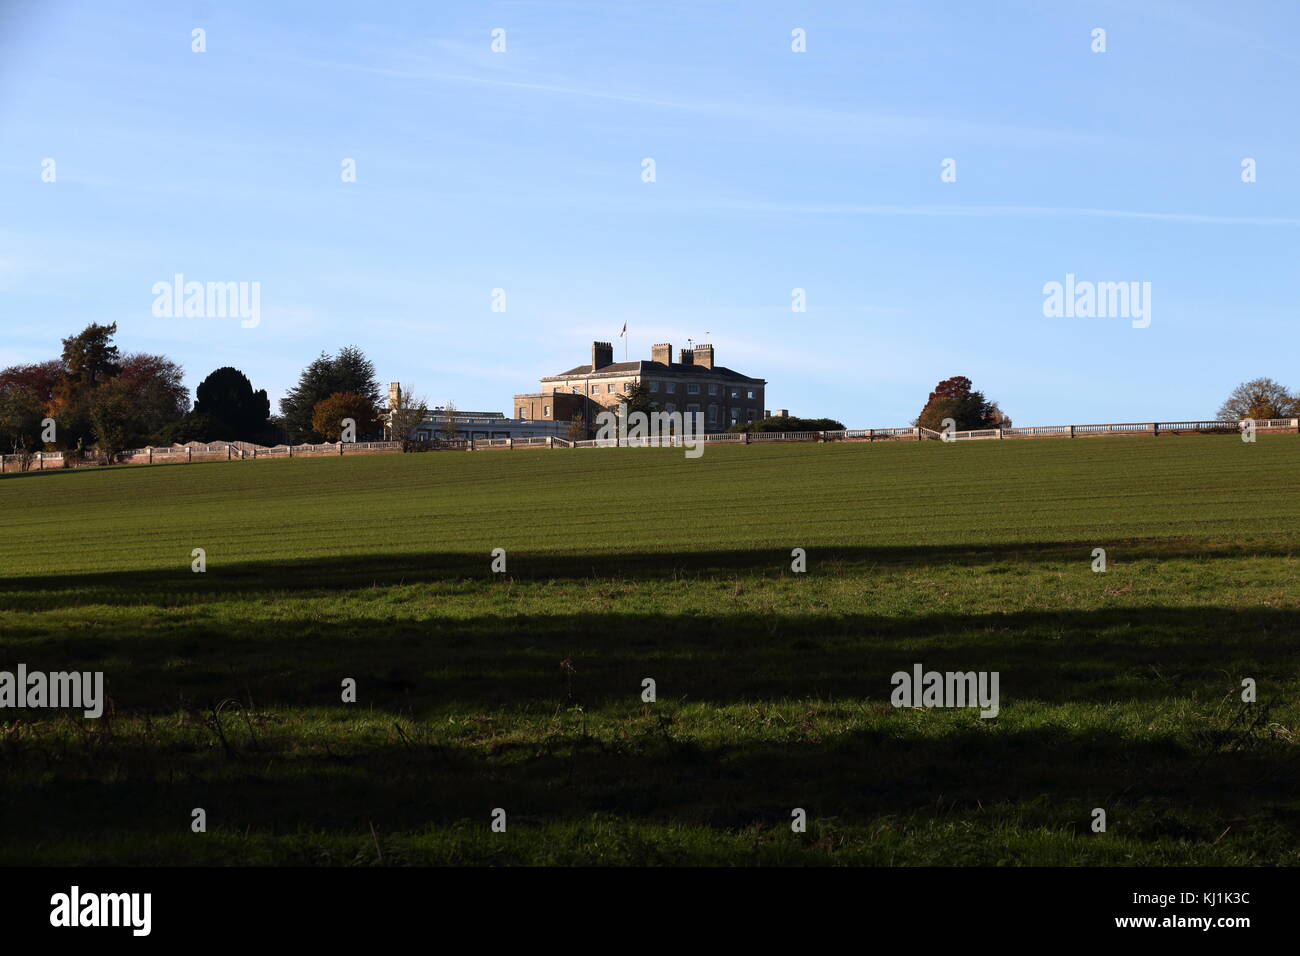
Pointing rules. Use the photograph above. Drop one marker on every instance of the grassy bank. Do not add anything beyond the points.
(523, 691)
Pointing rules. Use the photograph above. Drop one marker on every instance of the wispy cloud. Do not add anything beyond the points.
(788, 116)
(976, 211)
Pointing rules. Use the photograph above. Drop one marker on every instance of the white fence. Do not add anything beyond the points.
(174, 454)
(1276, 425)
(537, 441)
(915, 433)
(239, 451)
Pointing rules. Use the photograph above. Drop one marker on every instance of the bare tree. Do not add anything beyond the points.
(406, 416)
(577, 427)
(450, 421)
(1259, 398)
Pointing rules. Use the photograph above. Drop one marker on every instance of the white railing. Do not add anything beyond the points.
(532, 441)
(54, 460)
(784, 436)
(929, 434)
(869, 434)
(1037, 431)
(1196, 426)
(1119, 429)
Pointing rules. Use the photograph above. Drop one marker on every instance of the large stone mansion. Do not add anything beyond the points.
(694, 383)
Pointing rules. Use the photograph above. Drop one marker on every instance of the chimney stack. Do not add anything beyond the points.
(602, 354)
(704, 355)
(662, 353)
(394, 394)
(685, 357)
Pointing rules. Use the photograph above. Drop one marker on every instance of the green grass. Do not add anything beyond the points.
(522, 691)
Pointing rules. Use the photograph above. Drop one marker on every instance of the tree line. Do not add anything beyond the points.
(96, 396)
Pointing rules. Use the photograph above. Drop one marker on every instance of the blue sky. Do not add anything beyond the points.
(774, 170)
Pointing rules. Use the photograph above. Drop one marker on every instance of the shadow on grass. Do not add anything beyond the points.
(1046, 777)
(346, 572)
(95, 469)
(514, 661)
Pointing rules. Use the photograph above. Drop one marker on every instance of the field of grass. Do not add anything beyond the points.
(523, 690)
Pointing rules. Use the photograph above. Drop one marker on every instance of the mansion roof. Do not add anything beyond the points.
(646, 368)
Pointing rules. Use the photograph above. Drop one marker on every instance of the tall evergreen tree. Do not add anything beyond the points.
(637, 398)
(89, 360)
(228, 397)
(349, 371)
